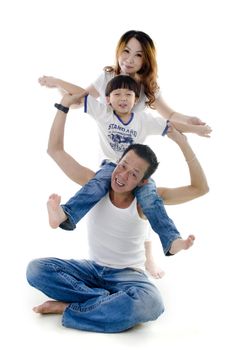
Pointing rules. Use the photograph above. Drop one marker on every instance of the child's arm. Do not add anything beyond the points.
(182, 122)
(198, 184)
(66, 87)
(199, 129)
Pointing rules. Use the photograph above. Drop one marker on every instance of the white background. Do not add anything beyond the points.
(74, 40)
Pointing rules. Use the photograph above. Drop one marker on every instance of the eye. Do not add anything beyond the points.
(133, 175)
(126, 50)
(139, 55)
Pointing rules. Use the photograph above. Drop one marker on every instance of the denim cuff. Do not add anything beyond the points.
(169, 254)
(68, 224)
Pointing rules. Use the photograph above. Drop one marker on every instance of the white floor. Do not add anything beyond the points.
(195, 289)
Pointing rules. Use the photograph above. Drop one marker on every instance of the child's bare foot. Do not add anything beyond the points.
(55, 211)
(51, 307)
(154, 270)
(181, 244)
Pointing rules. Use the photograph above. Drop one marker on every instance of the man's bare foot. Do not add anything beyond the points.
(55, 211)
(154, 270)
(51, 307)
(181, 244)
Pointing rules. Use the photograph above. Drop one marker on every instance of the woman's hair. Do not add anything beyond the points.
(122, 82)
(148, 72)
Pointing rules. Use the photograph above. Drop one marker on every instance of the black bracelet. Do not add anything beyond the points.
(61, 108)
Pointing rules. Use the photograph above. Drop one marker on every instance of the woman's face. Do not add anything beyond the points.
(131, 59)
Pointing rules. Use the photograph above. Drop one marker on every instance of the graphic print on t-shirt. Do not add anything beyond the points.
(120, 137)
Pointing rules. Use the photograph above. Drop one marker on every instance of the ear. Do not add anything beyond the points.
(136, 100)
(143, 182)
(108, 100)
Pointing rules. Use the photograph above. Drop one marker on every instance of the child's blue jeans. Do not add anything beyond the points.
(147, 197)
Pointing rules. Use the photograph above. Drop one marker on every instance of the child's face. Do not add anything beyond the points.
(131, 58)
(122, 101)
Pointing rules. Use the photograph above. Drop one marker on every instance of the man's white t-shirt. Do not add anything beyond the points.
(116, 236)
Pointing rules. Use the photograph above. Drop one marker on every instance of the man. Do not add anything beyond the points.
(111, 292)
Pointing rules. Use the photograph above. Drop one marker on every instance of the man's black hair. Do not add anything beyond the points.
(146, 153)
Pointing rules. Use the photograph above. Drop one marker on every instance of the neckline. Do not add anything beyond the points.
(112, 204)
(121, 121)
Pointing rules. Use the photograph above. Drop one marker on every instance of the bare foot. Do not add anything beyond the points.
(181, 244)
(55, 211)
(154, 270)
(51, 307)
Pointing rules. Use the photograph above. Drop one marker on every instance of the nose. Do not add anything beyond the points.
(123, 97)
(124, 175)
(130, 58)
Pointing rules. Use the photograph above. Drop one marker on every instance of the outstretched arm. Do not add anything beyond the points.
(182, 122)
(65, 87)
(198, 184)
(65, 161)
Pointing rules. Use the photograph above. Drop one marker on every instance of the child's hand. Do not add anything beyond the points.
(49, 82)
(200, 129)
(203, 130)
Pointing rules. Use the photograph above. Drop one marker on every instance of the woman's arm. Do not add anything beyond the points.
(198, 184)
(74, 170)
(66, 87)
(182, 122)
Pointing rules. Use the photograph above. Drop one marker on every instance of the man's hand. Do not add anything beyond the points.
(69, 100)
(175, 134)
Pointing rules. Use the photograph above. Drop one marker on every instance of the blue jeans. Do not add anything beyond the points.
(147, 197)
(101, 299)
(90, 194)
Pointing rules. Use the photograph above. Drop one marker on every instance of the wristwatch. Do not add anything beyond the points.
(61, 108)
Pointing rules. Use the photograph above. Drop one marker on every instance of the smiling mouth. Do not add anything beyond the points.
(120, 184)
(127, 66)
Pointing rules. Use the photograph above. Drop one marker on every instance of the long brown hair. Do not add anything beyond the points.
(148, 73)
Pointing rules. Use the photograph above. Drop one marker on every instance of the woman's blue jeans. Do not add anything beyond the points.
(147, 197)
(101, 299)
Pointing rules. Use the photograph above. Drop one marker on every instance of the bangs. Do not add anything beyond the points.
(123, 82)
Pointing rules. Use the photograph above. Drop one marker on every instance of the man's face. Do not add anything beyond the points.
(129, 173)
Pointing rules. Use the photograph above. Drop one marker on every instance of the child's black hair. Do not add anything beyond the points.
(123, 82)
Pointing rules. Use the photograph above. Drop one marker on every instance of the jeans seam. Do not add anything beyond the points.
(63, 273)
(97, 304)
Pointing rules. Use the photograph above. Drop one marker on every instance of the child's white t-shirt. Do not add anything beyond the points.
(115, 135)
